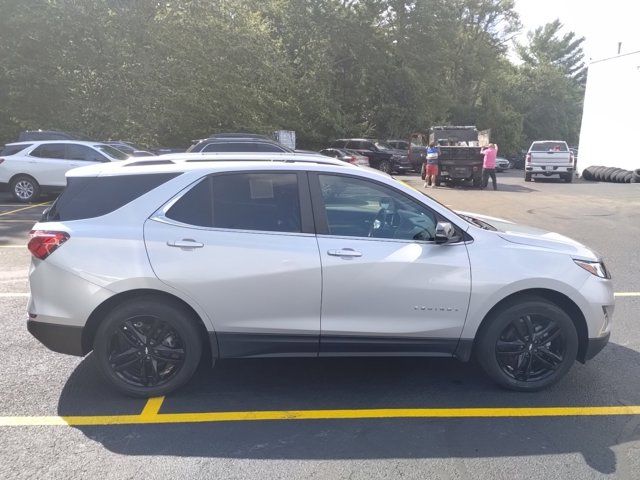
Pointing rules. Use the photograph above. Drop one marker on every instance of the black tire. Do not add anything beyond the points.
(25, 189)
(615, 173)
(620, 176)
(438, 180)
(587, 174)
(568, 177)
(385, 166)
(477, 181)
(598, 173)
(628, 178)
(527, 177)
(636, 176)
(128, 329)
(606, 176)
(501, 327)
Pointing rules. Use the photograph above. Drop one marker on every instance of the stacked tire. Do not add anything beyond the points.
(611, 174)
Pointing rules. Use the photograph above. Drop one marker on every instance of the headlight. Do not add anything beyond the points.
(595, 268)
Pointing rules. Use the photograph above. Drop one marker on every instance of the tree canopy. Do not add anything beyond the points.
(164, 73)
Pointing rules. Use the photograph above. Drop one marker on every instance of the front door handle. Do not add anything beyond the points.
(186, 243)
(345, 252)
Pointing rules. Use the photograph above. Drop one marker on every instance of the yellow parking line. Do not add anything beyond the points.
(207, 417)
(152, 407)
(24, 208)
(626, 294)
(13, 295)
(13, 246)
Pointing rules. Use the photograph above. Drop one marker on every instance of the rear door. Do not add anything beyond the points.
(242, 245)
(47, 163)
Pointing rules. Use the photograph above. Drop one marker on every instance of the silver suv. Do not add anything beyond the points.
(155, 264)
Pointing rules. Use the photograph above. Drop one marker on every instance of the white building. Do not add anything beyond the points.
(610, 131)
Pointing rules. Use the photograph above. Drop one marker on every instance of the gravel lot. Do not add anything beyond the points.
(36, 382)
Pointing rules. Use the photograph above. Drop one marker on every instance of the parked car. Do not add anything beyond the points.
(549, 157)
(28, 169)
(502, 164)
(349, 156)
(38, 135)
(238, 142)
(380, 155)
(129, 148)
(304, 237)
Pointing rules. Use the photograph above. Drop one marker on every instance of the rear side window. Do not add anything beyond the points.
(243, 201)
(13, 149)
(49, 150)
(549, 147)
(84, 154)
(88, 197)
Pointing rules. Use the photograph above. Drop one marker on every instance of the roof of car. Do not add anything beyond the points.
(77, 142)
(180, 162)
(356, 140)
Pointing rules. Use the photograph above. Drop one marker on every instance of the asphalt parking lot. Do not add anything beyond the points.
(340, 418)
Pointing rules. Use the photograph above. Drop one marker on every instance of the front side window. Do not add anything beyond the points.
(362, 208)
(49, 150)
(83, 153)
(242, 201)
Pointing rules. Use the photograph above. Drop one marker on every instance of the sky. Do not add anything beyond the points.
(603, 24)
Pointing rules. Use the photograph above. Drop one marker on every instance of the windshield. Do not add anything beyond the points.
(112, 152)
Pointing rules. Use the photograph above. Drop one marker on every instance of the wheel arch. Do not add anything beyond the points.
(465, 348)
(210, 342)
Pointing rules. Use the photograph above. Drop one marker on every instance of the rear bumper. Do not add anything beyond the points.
(549, 169)
(59, 338)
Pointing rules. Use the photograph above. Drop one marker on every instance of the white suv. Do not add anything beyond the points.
(30, 168)
(155, 264)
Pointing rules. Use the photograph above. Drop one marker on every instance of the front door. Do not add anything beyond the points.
(387, 288)
(242, 246)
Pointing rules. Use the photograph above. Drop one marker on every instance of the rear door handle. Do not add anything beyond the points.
(186, 243)
(345, 252)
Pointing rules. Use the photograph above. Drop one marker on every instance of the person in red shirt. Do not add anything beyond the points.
(489, 165)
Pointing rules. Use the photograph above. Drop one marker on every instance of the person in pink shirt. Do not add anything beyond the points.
(490, 153)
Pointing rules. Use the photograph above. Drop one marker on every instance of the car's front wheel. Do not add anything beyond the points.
(385, 166)
(25, 189)
(528, 345)
(148, 347)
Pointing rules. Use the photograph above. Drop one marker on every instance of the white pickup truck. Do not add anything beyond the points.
(549, 157)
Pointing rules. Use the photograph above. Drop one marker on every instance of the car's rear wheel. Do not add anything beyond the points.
(385, 166)
(147, 347)
(528, 345)
(527, 177)
(25, 189)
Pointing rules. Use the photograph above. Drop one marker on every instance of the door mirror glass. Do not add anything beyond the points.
(445, 233)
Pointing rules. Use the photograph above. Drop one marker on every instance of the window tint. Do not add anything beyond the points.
(49, 150)
(244, 201)
(84, 154)
(88, 197)
(361, 208)
(195, 207)
(355, 145)
(13, 149)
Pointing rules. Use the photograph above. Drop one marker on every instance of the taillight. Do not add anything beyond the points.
(528, 158)
(43, 243)
(351, 160)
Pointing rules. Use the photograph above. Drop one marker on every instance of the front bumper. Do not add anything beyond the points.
(595, 346)
(59, 338)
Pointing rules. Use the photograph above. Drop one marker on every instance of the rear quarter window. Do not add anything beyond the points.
(13, 149)
(89, 197)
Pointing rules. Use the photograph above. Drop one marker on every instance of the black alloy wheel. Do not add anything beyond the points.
(531, 348)
(148, 346)
(145, 351)
(527, 344)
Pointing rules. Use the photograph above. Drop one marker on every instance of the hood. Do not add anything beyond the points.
(536, 237)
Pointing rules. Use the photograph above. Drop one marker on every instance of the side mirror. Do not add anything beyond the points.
(445, 233)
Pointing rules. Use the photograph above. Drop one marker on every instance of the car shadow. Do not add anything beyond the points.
(363, 383)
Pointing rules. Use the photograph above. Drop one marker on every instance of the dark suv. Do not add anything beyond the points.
(381, 156)
(238, 142)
